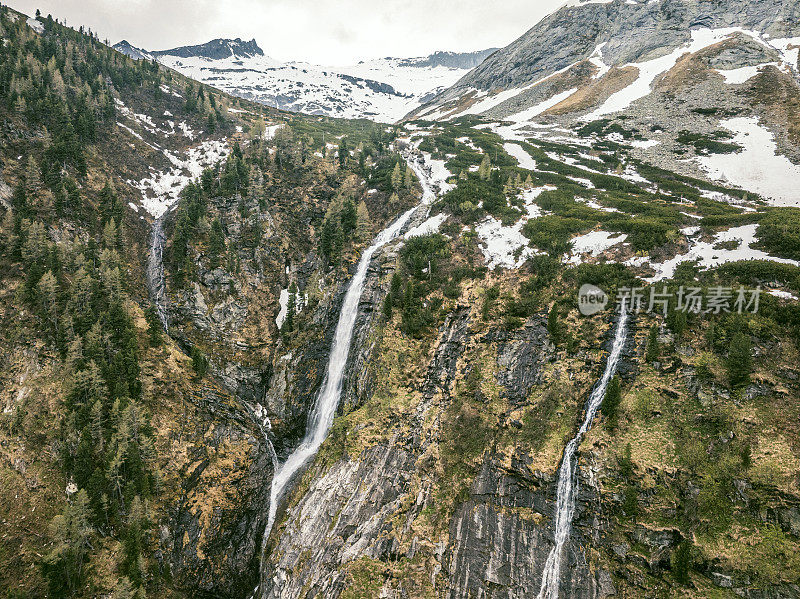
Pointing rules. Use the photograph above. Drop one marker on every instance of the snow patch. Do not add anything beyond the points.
(596, 206)
(645, 143)
(162, 189)
(439, 173)
(789, 48)
(782, 294)
(271, 130)
(37, 26)
(709, 257)
(523, 158)
(649, 70)
(597, 60)
(283, 301)
(740, 75)
(759, 167)
(504, 246)
(593, 243)
(431, 225)
(581, 181)
(541, 107)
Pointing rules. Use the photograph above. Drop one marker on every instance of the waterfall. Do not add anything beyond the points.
(567, 478)
(321, 417)
(155, 271)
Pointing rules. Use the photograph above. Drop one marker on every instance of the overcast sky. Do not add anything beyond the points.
(320, 31)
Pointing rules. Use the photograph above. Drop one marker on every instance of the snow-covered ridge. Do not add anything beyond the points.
(383, 90)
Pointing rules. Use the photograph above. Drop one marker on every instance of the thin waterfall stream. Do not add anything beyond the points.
(155, 270)
(567, 473)
(321, 417)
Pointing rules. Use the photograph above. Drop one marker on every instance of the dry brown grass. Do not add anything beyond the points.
(596, 91)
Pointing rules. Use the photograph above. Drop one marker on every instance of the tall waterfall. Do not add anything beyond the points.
(321, 417)
(567, 476)
(155, 270)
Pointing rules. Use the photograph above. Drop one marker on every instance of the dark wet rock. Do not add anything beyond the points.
(212, 539)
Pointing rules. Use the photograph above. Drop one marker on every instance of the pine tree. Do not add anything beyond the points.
(395, 288)
(387, 306)
(19, 201)
(630, 502)
(97, 428)
(110, 206)
(133, 543)
(154, 330)
(199, 362)
(363, 221)
(739, 361)
(626, 463)
(348, 217)
(652, 351)
(408, 180)
(328, 238)
(48, 298)
(612, 400)
(110, 234)
(343, 152)
(679, 323)
(32, 177)
(124, 590)
(216, 242)
(191, 99)
(485, 169)
(397, 177)
(63, 566)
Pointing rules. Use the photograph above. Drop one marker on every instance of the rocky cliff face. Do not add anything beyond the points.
(369, 520)
(501, 536)
(212, 538)
(629, 31)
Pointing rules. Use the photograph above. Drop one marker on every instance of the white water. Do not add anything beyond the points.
(321, 417)
(567, 481)
(155, 271)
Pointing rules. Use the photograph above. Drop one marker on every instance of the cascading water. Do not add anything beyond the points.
(567, 480)
(321, 417)
(155, 271)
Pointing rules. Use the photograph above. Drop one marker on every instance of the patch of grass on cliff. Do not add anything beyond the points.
(763, 551)
(409, 577)
(464, 431)
(537, 421)
(365, 577)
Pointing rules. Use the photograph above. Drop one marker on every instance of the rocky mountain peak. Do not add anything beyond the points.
(216, 49)
(451, 60)
(129, 49)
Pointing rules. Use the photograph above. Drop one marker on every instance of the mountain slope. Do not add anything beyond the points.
(664, 72)
(175, 263)
(136, 462)
(381, 89)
